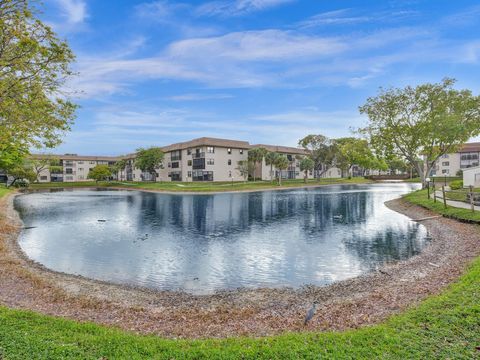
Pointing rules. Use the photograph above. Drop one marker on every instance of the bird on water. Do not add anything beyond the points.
(311, 312)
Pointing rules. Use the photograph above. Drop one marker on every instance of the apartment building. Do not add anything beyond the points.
(268, 172)
(202, 159)
(72, 167)
(466, 157)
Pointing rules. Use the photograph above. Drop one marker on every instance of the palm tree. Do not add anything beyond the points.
(281, 163)
(270, 160)
(256, 155)
(306, 165)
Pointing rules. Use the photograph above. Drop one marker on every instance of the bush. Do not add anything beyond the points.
(456, 185)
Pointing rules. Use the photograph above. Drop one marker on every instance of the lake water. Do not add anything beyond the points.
(203, 243)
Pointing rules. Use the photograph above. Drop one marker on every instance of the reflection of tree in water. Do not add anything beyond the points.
(387, 244)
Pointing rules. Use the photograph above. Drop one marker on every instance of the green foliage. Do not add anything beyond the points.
(256, 156)
(270, 159)
(354, 151)
(119, 167)
(22, 174)
(100, 173)
(456, 185)
(306, 165)
(459, 173)
(245, 167)
(34, 65)
(425, 121)
(150, 160)
(281, 163)
(320, 149)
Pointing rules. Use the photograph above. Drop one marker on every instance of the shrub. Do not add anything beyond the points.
(456, 185)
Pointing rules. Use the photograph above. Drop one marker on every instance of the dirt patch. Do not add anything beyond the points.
(364, 300)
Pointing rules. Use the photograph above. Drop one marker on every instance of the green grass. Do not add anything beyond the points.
(3, 190)
(444, 326)
(201, 186)
(420, 198)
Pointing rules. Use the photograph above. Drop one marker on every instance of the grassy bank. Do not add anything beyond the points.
(444, 326)
(202, 186)
(3, 190)
(420, 198)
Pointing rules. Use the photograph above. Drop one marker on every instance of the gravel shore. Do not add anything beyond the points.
(348, 304)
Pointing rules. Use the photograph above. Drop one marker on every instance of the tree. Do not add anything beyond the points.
(100, 173)
(119, 167)
(44, 163)
(256, 155)
(320, 149)
(355, 151)
(421, 123)
(150, 160)
(22, 171)
(34, 65)
(245, 167)
(270, 159)
(281, 163)
(306, 165)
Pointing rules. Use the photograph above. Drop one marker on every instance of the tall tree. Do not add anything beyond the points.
(354, 151)
(281, 163)
(421, 123)
(34, 65)
(256, 156)
(150, 160)
(40, 164)
(320, 149)
(119, 167)
(22, 171)
(245, 167)
(270, 159)
(306, 165)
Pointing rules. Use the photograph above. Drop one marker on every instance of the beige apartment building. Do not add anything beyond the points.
(202, 159)
(466, 157)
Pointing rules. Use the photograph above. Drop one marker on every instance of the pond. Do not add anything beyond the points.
(203, 243)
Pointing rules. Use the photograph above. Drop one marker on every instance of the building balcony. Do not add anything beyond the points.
(198, 155)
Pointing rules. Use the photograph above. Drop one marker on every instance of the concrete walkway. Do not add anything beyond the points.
(457, 204)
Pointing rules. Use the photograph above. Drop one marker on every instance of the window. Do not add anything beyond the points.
(92, 162)
(289, 157)
(229, 161)
(445, 156)
(176, 155)
(169, 165)
(198, 163)
(445, 171)
(230, 174)
(175, 165)
(189, 151)
(79, 162)
(189, 174)
(210, 162)
(68, 171)
(43, 177)
(80, 169)
(189, 162)
(199, 175)
(241, 151)
(210, 149)
(446, 163)
(68, 178)
(229, 151)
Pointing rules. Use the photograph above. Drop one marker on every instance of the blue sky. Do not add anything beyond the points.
(265, 71)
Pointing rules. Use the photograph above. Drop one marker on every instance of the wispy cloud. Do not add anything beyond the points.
(75, 11)
(199, 97)
(237, 7)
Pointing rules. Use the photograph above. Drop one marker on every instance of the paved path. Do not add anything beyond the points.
(457, 204)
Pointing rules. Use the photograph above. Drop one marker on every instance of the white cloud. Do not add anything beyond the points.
(198, 97)
(75, 11)
(237, 7)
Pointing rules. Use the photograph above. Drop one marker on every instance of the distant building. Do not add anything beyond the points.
(450, 164)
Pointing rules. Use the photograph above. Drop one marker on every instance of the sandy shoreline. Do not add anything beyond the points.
(364, 300)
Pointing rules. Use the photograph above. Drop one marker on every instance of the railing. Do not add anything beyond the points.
(198, 155)
(467, 198)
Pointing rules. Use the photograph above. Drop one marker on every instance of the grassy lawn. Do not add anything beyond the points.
(3, 190)
(420, 198)
(202, 186)
(445, 326)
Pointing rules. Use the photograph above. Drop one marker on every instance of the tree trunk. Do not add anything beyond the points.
(305, 177)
